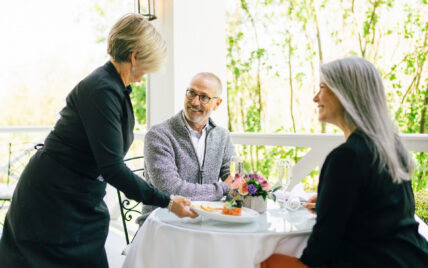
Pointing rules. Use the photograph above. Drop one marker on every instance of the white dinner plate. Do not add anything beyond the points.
(247, 214)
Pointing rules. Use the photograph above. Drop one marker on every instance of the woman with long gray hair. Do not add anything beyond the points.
(365, 205)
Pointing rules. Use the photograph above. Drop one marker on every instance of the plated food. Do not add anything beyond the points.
(208, 208)
(226, 210)
(234, 211)
(219, 211)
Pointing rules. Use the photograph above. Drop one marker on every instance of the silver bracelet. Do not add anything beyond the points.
(169, 207)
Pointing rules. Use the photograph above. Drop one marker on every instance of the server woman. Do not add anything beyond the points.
(365, 206)
(57, 217)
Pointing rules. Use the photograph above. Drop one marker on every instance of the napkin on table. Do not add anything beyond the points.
(293, 198)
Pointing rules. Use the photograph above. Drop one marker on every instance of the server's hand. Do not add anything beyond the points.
(180, 208)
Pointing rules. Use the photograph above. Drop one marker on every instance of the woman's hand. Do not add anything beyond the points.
(310, 204)
(179, 208)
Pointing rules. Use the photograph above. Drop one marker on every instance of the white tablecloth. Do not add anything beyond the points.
(165, 241)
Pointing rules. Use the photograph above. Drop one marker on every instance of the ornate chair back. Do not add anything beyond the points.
(129, 208)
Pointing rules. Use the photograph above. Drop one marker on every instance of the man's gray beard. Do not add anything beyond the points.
(196, 121)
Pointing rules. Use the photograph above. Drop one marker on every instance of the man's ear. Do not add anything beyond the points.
(217, 103)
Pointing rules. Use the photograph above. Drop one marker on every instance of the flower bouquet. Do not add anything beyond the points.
(251, 190)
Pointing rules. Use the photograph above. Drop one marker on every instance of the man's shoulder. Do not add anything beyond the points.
(217, 128)
(220, 131)
(168, 127)
(158, 134)
(159, 130)
(219, 136)
(159, 127)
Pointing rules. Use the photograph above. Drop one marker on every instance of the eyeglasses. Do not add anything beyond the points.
(204, 99)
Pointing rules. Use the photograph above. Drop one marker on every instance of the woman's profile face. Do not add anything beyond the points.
(330, 110)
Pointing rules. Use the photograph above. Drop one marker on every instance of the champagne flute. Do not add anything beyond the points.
(236, 166)
(284, 173)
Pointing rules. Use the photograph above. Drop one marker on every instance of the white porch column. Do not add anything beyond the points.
(195, 34)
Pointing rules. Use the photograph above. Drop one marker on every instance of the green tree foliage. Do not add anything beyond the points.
(421, 198)
(138, 99)
(275, 49)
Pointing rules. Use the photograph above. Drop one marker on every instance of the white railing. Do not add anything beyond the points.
(25, 129)
(320, 144)
(4, 167)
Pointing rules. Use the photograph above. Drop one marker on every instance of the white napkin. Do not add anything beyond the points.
(299, 191)
(292, 200)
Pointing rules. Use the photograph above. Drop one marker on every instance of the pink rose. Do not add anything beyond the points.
(243, 189)
(265, 185)
(237, 182)
(267, 188)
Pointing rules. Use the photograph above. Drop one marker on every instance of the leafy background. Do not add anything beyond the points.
(274, 50)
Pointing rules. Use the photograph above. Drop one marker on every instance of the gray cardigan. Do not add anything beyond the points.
(172, 166)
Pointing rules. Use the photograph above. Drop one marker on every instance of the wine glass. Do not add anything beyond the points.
(236, 166)
(283, 181)
(284, 173)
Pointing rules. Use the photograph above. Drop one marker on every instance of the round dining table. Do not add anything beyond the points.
(166, 241)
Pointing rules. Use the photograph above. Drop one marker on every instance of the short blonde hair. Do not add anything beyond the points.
(134, 33)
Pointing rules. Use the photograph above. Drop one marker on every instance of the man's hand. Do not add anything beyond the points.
(228, 181)
(310, 204)
(178, 207)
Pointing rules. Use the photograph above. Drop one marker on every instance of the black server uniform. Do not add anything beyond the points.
(57, 217)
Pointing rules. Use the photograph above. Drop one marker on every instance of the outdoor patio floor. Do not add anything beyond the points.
(115, 244)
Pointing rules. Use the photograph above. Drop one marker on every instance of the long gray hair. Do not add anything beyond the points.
(358, 86)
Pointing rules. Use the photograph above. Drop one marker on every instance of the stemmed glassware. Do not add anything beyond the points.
(236, 166)
(284, 177)
(291, 202)
(284, 173)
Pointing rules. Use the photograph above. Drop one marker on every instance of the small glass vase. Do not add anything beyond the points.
(256, 203)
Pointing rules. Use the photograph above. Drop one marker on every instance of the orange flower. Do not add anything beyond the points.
(237, 183)
(243, 189)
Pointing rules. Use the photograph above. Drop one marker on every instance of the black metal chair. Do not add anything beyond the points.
(18, 156)
(129, 208)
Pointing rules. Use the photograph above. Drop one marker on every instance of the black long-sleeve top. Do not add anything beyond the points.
(95, 132)
(363, 218)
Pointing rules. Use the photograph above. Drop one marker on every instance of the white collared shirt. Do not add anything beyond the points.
(198, 140)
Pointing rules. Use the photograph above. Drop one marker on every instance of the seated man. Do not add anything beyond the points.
(188, 153)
